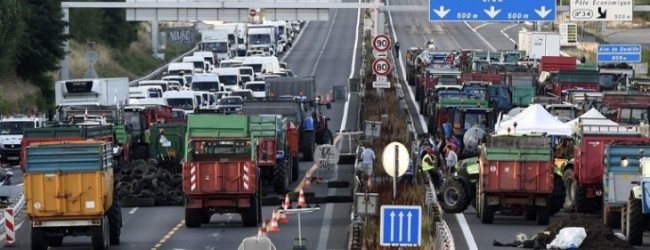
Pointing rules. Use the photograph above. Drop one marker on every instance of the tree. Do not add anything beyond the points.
(118, 33)
(43, 49)
(12, 34)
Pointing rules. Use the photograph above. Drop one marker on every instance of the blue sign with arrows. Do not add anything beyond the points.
(612, 53)
(400, 226)
(492, 10)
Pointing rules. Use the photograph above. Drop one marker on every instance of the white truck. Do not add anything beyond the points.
(263, 37)
(282, 35)
(146, 95)
(231, 30)
(217, 42)
(100, 97)
(11, 135)
(186, 100)
(538, 44)
(198, 62)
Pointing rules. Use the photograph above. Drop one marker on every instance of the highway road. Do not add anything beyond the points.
(412, 29)
(325, 49)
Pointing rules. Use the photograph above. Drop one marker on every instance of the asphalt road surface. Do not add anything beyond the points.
(325, 49)
(412, 29)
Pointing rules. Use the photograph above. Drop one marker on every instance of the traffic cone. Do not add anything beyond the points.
(283, 218)
(301, 200)
(261, 231)
(307, 184)
(274, 223)
(287, 203)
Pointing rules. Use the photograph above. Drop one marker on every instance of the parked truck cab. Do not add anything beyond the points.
(11, 135)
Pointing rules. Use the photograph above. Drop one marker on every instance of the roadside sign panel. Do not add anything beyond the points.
(610, 10)
(381, 43)
(608, 53)
(389, 156)
(493, 10)
(381, 85)
(400, 226)
(381, 67)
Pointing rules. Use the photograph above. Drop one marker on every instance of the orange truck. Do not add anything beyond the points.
(69, 192)
(220, 174)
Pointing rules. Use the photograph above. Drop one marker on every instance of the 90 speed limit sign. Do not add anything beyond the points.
(381, 67)
(381, 43)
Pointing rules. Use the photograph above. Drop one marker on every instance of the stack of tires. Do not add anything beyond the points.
(141, 184)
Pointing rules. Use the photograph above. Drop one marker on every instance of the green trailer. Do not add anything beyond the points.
(278, 165)
(167, 143)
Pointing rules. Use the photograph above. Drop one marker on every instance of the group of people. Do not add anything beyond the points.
(437, 156)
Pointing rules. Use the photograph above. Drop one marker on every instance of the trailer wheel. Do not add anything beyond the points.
(193, 217)
(309, 140)
(487, 211)
(295, 168)
(55, 241)
(455, 196)
(249, 215)
(99, 235)
(115, 221)
(634, 222)
(38, 239)
(543, 215)
(559, 195)
(280, 178)
(205, 217)
(530, 214)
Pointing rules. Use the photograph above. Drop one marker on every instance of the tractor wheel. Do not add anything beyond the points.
(455, 196)
(250, 215)
(115, 221)
(559, 195)
(280, 178)
(328, 138)
(635, 222)
(99, 235)
(308, 145)
(295, 168)
(569, 198)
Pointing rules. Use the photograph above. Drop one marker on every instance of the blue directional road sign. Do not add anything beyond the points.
(400, 226)
(492, 10)
(608, 53)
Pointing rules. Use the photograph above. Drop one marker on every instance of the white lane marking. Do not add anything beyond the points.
(467, 233)
(132, 211)
(480, 26)
(503, 31)
(481, 37)
(346, 106)
(327, 38)
(408, 87)
(302, 31)
(469, 238)
(20, 184)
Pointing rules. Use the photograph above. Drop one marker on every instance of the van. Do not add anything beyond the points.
(207, 56)
(206, 82)
(198, 62)
(262, 65)
(164, 84)
(177, 68)
(246, 70)
(258, 88)
(184, 99)
(176, 79)
(229, 77)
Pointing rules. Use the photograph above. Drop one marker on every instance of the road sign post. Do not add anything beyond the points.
(616, 53)
(502, 10)
(613, 10)
(390, 160)
(252, 12)
(400, 226)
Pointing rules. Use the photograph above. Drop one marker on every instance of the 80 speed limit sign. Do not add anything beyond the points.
(381, 67)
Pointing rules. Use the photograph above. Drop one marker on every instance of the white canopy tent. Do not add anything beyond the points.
(534, 119)
(592, 117)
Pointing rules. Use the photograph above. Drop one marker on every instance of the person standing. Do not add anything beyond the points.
(429, 165)
(368, 160)
(451, 158)
(396, 49)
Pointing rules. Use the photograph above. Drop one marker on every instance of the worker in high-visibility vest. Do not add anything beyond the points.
(430, 164)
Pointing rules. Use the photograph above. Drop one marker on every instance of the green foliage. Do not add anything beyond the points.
(12, 32)
(103, 25)
(41, 52)
(173, 50)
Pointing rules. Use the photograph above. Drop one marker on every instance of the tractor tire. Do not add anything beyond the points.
(543, 215)
(39, 241)
(280, 178)
(99, 236)
(487, 211)
(328, 138)
(308, 145)
(569, 198)
(635, 222)
(249, 216)
(141, 152)
(295, 168)
(558, 196)
(55, 241)
(115, 221)
(583, 204)
(193, 217)
(530, 214)
(455, 196)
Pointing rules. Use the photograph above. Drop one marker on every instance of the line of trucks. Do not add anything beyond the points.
(596, 169)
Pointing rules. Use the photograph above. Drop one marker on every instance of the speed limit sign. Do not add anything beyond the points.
(381, 43)
(381, 67)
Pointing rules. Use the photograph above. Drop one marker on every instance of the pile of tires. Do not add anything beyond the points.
(142, 184)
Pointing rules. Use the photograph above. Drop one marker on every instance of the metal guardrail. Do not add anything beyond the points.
(161, 69)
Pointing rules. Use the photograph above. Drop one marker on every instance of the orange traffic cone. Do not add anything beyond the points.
(261, 231)
(283, 218)
(274, 223)
(287, 203)
(307, 182)
(301, 200)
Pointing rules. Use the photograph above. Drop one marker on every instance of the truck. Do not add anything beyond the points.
(635, 216)
(539, 44)
(263, 37)
(621, 162)
(523, 88)
(215, 41)
(572, 79)
(11, 135)
(138, 120)
(69, 192)
(220, 173)
(276, 138)
(167, 144)
(583, 172)
(92, 92)
(516, 173)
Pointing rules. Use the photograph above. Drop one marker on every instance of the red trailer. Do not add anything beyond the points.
(557, 63)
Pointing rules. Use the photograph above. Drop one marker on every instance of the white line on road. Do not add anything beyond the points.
(20, 184)
(346, 107)
(327, 38)
(469, 238)
(481, 37)
(302, 31)
(503, 31)
(478, 27)
(133, 210)
(401, 63)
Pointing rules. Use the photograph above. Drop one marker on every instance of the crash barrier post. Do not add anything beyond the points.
(9, 221)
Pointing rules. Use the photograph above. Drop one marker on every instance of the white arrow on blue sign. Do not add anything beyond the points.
(492, 10)
(609, 53)
(400, 226)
